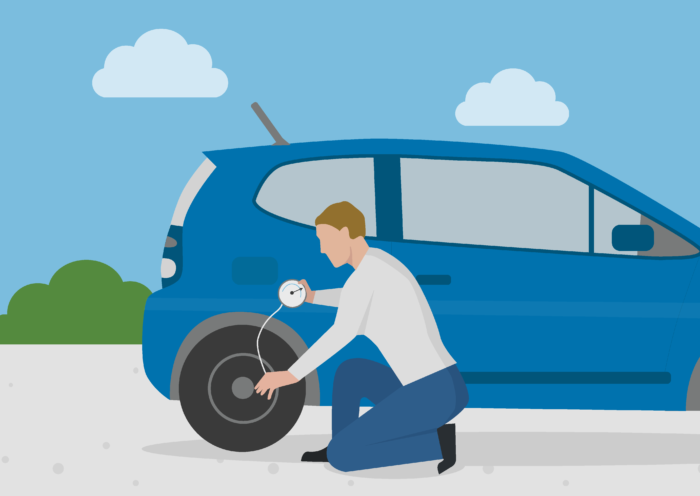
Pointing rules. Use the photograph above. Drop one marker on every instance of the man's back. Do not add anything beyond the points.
(399, 320)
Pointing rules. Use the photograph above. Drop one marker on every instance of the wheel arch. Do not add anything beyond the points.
(212, 324)
(692, 399)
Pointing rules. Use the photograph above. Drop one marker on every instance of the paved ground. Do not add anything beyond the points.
(85, 420)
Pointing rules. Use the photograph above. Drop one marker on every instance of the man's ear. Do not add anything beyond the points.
(345, 232)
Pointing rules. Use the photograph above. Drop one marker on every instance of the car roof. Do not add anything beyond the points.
(460, 150)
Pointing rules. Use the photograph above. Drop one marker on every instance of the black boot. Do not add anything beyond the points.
(448, 446)
(316, 456)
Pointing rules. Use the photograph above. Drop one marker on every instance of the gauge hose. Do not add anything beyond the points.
(257, 342)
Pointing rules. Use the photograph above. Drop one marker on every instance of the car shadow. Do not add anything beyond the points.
(483, 449)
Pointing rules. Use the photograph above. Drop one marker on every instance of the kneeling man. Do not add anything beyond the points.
(416, 395)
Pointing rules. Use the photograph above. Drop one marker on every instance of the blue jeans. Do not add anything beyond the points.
(402, 426)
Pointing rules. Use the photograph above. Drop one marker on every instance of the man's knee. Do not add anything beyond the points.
(339, 454)
(349, 368)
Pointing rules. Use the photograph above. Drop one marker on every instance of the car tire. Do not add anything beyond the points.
(216, 389)
(692, 401)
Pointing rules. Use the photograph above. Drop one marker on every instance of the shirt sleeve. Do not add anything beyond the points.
(352, 308)
(328, 297)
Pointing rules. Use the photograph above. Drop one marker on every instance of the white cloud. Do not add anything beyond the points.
(160, 64)
(513, 98)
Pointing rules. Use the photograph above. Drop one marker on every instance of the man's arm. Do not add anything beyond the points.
(353, 306)
(328, 297)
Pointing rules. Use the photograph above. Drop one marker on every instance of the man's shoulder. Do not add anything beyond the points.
(383, 256)
(389, 262)
(379, 254)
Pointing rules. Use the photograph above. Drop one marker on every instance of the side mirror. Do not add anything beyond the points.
(633, 238)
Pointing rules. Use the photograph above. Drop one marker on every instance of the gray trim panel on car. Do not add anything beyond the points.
(313, 394)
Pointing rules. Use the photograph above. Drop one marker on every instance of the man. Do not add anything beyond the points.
(416, 396)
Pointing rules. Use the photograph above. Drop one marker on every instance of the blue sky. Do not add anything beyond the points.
(86, 177)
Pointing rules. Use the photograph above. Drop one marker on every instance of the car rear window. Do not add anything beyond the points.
(299, 192)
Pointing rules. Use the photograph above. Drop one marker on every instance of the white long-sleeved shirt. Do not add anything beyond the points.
(382, 300)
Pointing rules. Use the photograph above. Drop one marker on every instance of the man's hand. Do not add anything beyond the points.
(309, 294)
(273, 380)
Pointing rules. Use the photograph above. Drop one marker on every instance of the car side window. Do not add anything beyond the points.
(610, 213)
(505, 204)
(301, 191)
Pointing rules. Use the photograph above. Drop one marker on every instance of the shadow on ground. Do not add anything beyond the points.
(483, 449)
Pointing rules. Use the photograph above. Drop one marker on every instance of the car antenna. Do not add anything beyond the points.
(279, 140)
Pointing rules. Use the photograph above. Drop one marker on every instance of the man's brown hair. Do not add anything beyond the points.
(344, 214)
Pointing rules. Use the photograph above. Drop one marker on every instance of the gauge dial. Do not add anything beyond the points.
(292, 294)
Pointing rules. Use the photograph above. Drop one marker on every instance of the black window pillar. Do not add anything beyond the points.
(387, 194)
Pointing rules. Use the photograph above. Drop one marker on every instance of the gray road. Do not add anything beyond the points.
(85, 420)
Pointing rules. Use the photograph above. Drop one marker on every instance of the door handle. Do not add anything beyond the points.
(434, 280)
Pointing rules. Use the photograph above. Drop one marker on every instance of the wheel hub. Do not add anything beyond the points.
(231, 387)
(242, 388)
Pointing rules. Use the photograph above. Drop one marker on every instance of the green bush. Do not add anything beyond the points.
(86, 302)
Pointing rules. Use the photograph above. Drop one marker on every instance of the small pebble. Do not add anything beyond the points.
(58, 468)
(136, 483)
(350, 483)
(136, 370)
(220, 461)
(10, 384)
(105, 445)
(273, 468)
(5, 459)
(566, 483)
(488, 470)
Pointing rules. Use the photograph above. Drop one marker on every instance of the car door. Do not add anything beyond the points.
(525, 288)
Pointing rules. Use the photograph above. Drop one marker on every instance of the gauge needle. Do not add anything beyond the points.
(292, 292)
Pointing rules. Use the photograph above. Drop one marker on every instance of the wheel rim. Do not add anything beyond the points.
(230, 389)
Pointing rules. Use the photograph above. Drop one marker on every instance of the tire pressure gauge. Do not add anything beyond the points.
(292, 294)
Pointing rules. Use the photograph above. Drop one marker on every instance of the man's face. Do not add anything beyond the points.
(334, 243)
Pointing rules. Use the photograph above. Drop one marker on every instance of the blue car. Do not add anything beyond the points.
(553, 284)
